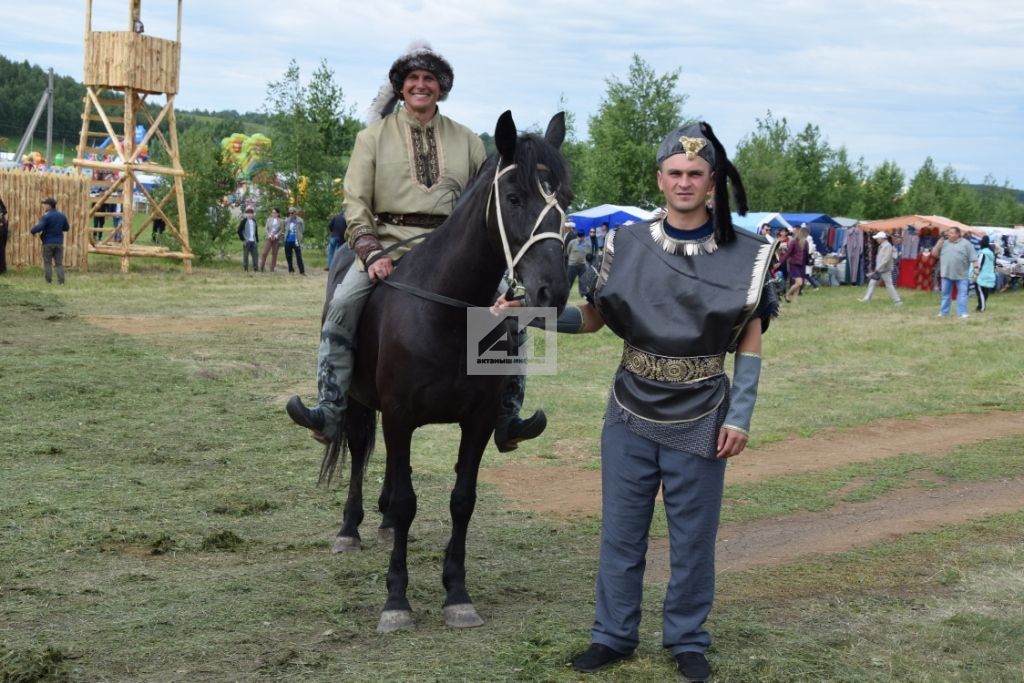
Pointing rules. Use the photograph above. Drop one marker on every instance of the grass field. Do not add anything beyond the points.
(159, 518)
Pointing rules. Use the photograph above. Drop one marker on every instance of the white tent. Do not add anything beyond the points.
(612, 214)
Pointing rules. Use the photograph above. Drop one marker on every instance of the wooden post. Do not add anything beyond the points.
(49, 118)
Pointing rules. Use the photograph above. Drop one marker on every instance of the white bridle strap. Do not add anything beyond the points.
(535, 237)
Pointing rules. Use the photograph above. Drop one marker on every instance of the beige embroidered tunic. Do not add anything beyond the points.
(402, 167)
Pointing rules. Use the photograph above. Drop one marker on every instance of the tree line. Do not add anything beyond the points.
(313, 131)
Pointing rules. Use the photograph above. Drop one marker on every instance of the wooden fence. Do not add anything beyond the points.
(23, 192)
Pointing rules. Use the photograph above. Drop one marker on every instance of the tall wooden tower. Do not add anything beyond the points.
(123, 69)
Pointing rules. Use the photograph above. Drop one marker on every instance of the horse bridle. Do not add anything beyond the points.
(551, 201)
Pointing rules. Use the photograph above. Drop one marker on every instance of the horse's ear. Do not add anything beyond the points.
(505, 136)
(556, 130)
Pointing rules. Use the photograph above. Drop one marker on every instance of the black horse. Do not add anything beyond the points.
(411, 350)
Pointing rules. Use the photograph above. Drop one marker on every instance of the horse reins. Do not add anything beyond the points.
(551, 201)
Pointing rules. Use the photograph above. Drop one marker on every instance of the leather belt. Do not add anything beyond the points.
(676, 370)
(416, 220)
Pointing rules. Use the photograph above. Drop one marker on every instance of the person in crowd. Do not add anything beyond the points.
(781, 270)
(956, 255)
(4, 233)
(672, 419)
(984, 273)
(797, 257)
(51, 228)
(883, 271)
(594, 248)
(579, 250)
(337, 228)
(293, 229)
(812, 249)
(99, 222)
(272, 230)
(249, 237)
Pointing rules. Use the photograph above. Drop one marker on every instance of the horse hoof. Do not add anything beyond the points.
(346, 544)
(462, 616)
(386, 534)
(392, 620)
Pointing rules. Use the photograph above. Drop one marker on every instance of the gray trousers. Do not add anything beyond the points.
(249, 249)
(887, 279)
(335, 357)
(53, 253)
(632, 470)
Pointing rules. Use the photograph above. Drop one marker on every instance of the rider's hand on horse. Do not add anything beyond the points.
(380, 269)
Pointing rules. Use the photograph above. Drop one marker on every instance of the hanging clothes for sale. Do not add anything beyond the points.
(854, 255)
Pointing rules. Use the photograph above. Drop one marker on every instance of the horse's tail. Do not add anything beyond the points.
(356, 433)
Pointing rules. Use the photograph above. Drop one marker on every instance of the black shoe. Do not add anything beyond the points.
(313, 420)
(597, 657)
(509, 433)
(693, 666)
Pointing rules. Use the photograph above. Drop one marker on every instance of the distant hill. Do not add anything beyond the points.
(22, 84)
(1018, 194)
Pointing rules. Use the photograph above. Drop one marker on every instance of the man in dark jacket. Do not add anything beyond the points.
(249, 237)
(337, 226)
(52, 225)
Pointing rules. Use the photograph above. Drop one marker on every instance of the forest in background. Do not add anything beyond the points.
(784, 169)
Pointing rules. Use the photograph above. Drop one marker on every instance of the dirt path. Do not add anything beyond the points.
(843, 527)
(849, 525)
(542, 488)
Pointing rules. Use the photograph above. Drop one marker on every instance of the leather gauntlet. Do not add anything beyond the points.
(366, 246)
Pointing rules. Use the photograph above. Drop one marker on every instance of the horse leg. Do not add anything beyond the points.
(458, 609)
(386, 530)
(360, 425)
(397, 614)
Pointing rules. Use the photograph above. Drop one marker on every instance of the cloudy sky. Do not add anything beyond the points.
(889, 79)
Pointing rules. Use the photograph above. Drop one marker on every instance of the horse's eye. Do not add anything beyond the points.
(514, 199)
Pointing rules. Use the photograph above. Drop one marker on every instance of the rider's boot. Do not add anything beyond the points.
(510, 428)
(335, 360)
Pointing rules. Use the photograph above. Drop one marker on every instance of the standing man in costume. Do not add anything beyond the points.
(407, 169)
(682, 291)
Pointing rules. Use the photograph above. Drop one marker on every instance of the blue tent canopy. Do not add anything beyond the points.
(795, 219)
(753, 221)
(817, 225)
(611, 214)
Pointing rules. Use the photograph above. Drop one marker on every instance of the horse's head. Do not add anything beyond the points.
(531, 191)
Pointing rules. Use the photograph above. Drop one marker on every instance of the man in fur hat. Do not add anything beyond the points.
(681, 290)
(407, 168)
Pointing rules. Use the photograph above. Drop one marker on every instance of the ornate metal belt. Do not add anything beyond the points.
(416, 220)
(670, 368)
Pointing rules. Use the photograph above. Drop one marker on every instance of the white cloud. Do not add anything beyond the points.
(900, 79)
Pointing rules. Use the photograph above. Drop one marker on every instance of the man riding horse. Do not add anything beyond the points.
(407, 168)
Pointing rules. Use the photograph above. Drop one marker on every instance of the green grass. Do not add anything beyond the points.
(159, 519)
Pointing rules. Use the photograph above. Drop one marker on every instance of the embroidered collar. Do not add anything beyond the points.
(689, 242)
